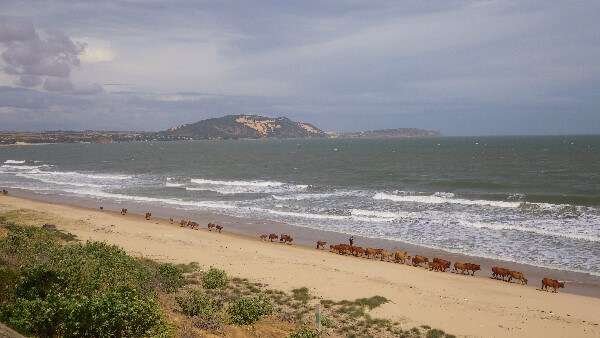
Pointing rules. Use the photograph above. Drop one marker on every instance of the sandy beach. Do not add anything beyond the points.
(461, 305)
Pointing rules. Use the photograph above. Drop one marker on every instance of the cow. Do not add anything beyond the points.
(401, 257)
(517, 275)
(148, 215)
(379, 252)
(444, 264)
(385, 255)
(370, 252)
(436, 266)
(101, 208)
(340, 248)
(553, 283)
(321, 244)
(263, 237)
(123, 211)
(285, 238)
(357, 251)
(273, 237)
(193, 225)
(171, 220)
(219, 227)
(183, 223)
(417, 260)
(4, 192)
(473, 268)
(500, 273)
(462, 267)
(211, 226)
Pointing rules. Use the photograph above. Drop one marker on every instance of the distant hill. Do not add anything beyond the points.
(392, 133)
(243, 126)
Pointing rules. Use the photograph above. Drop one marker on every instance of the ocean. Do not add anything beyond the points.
(533, 200)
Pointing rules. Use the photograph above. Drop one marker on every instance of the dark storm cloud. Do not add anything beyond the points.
(34, 57)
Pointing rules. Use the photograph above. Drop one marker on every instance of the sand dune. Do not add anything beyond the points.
(460, 305)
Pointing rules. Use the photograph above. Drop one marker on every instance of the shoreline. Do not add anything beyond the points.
(461, 305)
(579, 283)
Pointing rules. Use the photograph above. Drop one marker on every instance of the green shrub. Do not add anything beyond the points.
(435, 333)
(197, 303)
(170, 277)
(214, 279)
(85, 290)
(248, 310)
(301, 294)
(304, 333)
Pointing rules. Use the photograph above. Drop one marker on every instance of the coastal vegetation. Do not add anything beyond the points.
(53, 285)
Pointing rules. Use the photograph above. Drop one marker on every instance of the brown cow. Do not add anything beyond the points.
(436, 266)
(401, 257)
(444, 264)
(370, 252)
(517, 275)
(219, 227)
(193, 225)
(123, 211)
(340, 248)
(49, 226)
(462, 267)
(101, 208)
(4, 192)
(357, 251)
(553, 283)
(500, 273)
(273, 237)
(148, 215)
(285, 238)
(183, 223)
(263, 237)
(321, 244)
(171, 220)
(473, 268)
(417, 260)
(211, 226)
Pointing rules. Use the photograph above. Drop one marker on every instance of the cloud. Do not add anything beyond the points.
(36, 57)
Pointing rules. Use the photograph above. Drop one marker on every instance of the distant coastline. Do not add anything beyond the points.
(223, 128)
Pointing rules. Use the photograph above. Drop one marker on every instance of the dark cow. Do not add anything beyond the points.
(444, 264)
(401, 257)
(321, 244)
(219, 227)
(211, 226)
(4, 192)
(417, 260)
(285, 238)
(123, 211)
(263, 237)
(273, 237)
(500, 273)
(553, 283)
(148, 216)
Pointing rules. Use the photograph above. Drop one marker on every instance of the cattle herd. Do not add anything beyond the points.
(436, 264)
(398, 256)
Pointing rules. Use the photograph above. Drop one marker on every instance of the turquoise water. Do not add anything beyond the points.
(534, 200)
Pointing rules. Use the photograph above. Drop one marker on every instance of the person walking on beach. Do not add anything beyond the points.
(351, 240)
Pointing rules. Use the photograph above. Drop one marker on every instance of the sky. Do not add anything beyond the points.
(461, 67)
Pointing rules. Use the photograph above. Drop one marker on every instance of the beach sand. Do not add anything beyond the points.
(461, 305)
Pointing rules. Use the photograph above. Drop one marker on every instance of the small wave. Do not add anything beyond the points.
(14, 161)
(23, 167)
(501, 227)
(242, 187)
(173, 185)
(442, 198)
(300, 197)
(168, 201)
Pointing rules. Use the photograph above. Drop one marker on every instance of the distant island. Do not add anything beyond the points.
(243, 126)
